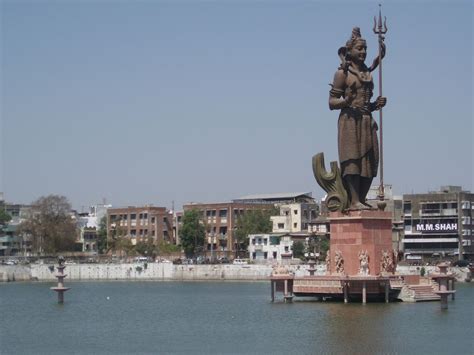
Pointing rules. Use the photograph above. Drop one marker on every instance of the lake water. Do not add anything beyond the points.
(221, 318)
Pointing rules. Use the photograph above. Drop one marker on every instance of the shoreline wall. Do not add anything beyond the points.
(170, 272)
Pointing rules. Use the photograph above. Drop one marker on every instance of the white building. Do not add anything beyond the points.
(294, 217)
(89, 224)
(270, 247)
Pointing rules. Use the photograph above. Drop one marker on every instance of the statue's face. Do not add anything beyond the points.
(359, 51)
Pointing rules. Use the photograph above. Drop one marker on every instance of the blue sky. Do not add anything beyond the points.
(159, 101)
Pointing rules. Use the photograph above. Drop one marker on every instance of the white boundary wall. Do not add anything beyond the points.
(168, 272)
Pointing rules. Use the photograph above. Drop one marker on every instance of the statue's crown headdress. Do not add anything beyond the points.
(355, 36)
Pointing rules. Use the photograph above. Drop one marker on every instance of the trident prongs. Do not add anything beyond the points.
(380, 30)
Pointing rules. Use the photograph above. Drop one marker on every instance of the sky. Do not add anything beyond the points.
(155, 102)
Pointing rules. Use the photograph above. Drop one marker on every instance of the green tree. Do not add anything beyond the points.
(167, 248)
(192, 233)
(319, 244)
(252, 222)
(102, 236)
(298, 249)
(50, 225)
(4, 217)
(146, 248)
(123, 245)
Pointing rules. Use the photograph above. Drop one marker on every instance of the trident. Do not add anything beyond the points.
(381, 34)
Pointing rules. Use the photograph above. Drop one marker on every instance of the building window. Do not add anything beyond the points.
(223, 213)
(295, 225)
(295, 212)
(265, 241)
(274, 255)
(223, 230)
(133, 216)
(281, 225)
(265, 255)
(407, 207)
(211, 213)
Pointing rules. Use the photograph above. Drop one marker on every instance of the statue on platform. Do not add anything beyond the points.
(280, 270)
(351, 92)
(394, 260)
(61, 260)
(339, 262)
(328, 262)
(363, 262)
(386, 263)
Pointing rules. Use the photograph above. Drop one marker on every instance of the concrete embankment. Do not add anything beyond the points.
(15, 273)
(153, 271)
(168, 271)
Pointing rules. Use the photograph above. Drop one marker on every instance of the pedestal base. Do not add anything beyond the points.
(356, 232)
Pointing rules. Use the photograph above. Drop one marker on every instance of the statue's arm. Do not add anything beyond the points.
(337, 99)
(376, 61)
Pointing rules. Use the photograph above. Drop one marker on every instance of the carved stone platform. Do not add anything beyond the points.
(360, 239)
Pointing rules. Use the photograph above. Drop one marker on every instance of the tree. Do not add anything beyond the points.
(192, 233)
(167, 248)
(50, 225)
(123, 245)
(146, 248)
(298, 249)
(319, 244)
(252, 222)
(4, 217)
(102, 236)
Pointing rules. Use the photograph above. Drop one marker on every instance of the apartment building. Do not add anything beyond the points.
(439, 224)
(295, 217)
(270, 247)
(140, 223)
(220, 220)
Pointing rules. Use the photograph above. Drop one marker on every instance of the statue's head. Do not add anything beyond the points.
(356, 46)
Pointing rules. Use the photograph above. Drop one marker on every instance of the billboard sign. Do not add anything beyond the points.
(436, 227)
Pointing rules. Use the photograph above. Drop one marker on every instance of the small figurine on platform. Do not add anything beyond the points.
(364, 262)
(339, 262)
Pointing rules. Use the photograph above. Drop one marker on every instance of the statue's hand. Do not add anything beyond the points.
(380, 102)
(350, 97)
(383, 48)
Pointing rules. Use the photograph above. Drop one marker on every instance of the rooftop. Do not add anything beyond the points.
(276, 196)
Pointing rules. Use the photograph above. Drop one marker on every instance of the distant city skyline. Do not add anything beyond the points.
(154, 102)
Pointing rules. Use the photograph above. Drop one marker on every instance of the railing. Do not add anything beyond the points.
(439, 212)
(431, 251)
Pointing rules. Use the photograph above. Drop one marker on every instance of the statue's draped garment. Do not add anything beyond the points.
(357, 130)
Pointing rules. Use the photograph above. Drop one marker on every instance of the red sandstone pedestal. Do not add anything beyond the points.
(355, 232)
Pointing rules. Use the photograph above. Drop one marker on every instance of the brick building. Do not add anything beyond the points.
(220, 220)
(140, 223)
